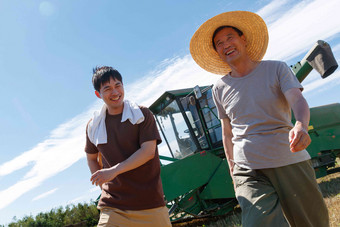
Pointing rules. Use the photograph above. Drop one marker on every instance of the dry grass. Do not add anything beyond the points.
(330, 187)
(232, 219)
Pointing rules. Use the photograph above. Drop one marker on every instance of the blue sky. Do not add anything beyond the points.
(48, 50)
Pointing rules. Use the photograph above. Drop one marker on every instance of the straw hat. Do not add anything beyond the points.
(253, 28)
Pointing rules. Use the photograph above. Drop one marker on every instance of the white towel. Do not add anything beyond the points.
(96, 129)
(132, 112)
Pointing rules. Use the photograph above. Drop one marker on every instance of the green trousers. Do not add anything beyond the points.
(283, 196)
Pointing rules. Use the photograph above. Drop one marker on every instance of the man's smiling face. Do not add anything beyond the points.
(112, 93)
(230, 46)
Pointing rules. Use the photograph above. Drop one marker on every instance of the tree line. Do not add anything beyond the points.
(72, 215)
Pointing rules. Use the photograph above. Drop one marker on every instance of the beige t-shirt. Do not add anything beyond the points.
(260, 115)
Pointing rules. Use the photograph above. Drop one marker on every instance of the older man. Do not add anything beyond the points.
(274, 180)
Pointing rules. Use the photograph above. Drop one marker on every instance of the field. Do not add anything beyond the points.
(329, 185)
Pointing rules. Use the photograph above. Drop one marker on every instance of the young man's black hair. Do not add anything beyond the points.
(103, 74)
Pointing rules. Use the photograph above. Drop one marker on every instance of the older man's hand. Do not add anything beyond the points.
(299, 138)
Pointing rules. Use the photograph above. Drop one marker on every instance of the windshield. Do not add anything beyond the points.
(176, 131)
(209, 113)
(190, 109)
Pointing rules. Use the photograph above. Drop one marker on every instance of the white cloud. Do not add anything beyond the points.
(62, 149)
(179, 73)
(323, 84)
(65, 145)
(93, 192)
(298, 29)
(336, 48)
(94, 189)
(76, 200)
(272, 11)
(20, 162)
(45, 194)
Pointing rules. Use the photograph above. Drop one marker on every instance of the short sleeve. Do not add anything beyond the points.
(216, 97)
(148, 129)
(287, 79)
(89, 146)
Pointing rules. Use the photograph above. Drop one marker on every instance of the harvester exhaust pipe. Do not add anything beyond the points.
(320, 57)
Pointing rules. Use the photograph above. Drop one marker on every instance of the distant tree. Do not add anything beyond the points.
(72, 215)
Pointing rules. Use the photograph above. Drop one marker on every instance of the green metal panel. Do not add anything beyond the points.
(323, 143)
(190, 203)
(187, 174)
(220, 185)
(161, 157)
(320, 172)
(324, 129)
(301, 70)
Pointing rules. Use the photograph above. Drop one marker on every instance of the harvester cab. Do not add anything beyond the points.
(194, 170)
(195, 173)
(188, 124)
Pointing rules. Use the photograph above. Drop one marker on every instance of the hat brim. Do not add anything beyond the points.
(253, 28)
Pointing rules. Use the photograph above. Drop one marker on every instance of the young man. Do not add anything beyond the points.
(274, 180)
(126, 137)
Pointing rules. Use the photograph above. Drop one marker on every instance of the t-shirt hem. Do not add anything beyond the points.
(293, 86)
(274, 164)
(90, 152)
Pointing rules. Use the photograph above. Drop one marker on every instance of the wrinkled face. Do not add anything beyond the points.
(230, 46)
(112, 94)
